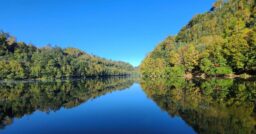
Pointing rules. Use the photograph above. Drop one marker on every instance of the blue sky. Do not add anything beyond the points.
(115, 29)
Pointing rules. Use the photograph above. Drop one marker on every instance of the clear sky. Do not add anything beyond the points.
(115, 29)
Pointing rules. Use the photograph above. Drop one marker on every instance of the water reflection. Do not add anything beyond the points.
(21, 98)
(209, 106)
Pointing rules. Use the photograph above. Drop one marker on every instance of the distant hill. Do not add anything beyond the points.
(219, 42)
(19, 60)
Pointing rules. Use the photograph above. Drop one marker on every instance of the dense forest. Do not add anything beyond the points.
(19, 60)
(220, 42)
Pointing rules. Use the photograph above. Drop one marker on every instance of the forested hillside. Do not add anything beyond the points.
(19, 60)
(219, 42)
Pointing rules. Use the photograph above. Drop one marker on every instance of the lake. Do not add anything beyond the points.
(128, 105)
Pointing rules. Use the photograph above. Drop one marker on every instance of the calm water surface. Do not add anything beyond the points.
(121, 105)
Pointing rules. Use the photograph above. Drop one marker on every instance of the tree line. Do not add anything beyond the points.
(19, 60)
(219, 42)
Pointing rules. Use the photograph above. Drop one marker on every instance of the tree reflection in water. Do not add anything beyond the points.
(21, 98)
(209, 106)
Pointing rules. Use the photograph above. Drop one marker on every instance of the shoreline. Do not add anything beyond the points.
(228, 76)
(62, 79)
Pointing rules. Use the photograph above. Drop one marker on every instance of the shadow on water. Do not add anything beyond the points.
(209, 106)
(18, 99)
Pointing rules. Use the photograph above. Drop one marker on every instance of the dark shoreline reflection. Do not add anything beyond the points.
(18, 99)
(209, 106)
